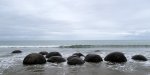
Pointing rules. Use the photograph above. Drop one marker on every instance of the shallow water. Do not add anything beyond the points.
(11, 64)
(86, 69)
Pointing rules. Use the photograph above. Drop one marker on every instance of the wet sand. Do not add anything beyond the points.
(11, 64)
(86, 69)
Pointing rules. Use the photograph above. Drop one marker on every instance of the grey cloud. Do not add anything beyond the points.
(74, 20)
(141, 35)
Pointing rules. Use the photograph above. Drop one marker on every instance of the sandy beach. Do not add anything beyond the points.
(87, 69)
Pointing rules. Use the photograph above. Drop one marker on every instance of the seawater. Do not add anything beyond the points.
(12, 63)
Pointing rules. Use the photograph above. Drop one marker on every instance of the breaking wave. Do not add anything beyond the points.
(98, 46)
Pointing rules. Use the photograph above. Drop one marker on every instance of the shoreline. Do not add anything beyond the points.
(86, 69)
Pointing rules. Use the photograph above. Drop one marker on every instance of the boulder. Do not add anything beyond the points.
(75, 61)
(97, 51)
(78, 54)
(70, 57)
(34, 58)
(56, 59)
(43, 52)
(115, 57)
(139, 57)
(53, 54)
(94, 58)
(17, 51)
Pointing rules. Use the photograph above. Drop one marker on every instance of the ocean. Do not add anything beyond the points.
(11, 64)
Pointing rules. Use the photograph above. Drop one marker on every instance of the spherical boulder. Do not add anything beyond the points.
(78, 54)
(34, 58)
(139, 57)
(17, 51)
(43, 52)
(94, 58)
(75, 61)
(115, 57)
(70, 57)
(97, 51)
(53, 54)
(56, 59)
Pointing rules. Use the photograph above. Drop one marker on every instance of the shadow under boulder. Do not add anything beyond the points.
(116, 57)
(16, 51)
(139, 57)
(56, 59)
(75, 61)
(53, 54)
(34, 58)
(94, 58)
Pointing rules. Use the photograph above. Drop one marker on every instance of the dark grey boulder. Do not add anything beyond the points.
(43, 52)
(139, 57)
(34, 58)
(78, 54)
(56, 59)
(75, 61)
(97, 51)
(70, 57)
(116, 57)
(53, 54)
(94, 58)
(17, 51)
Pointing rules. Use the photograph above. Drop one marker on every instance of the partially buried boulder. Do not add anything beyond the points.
(115, 57)
(34, 58)
(94, 58)
(43, 52)
(53, 54)
(78, 54)
(17, 51)
(139, 57)
(97, 50)
(70, 57)
(56, 59)
(75, 61)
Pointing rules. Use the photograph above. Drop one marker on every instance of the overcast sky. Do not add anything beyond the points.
(74, 19)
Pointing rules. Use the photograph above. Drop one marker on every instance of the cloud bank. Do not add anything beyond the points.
(74, 20)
